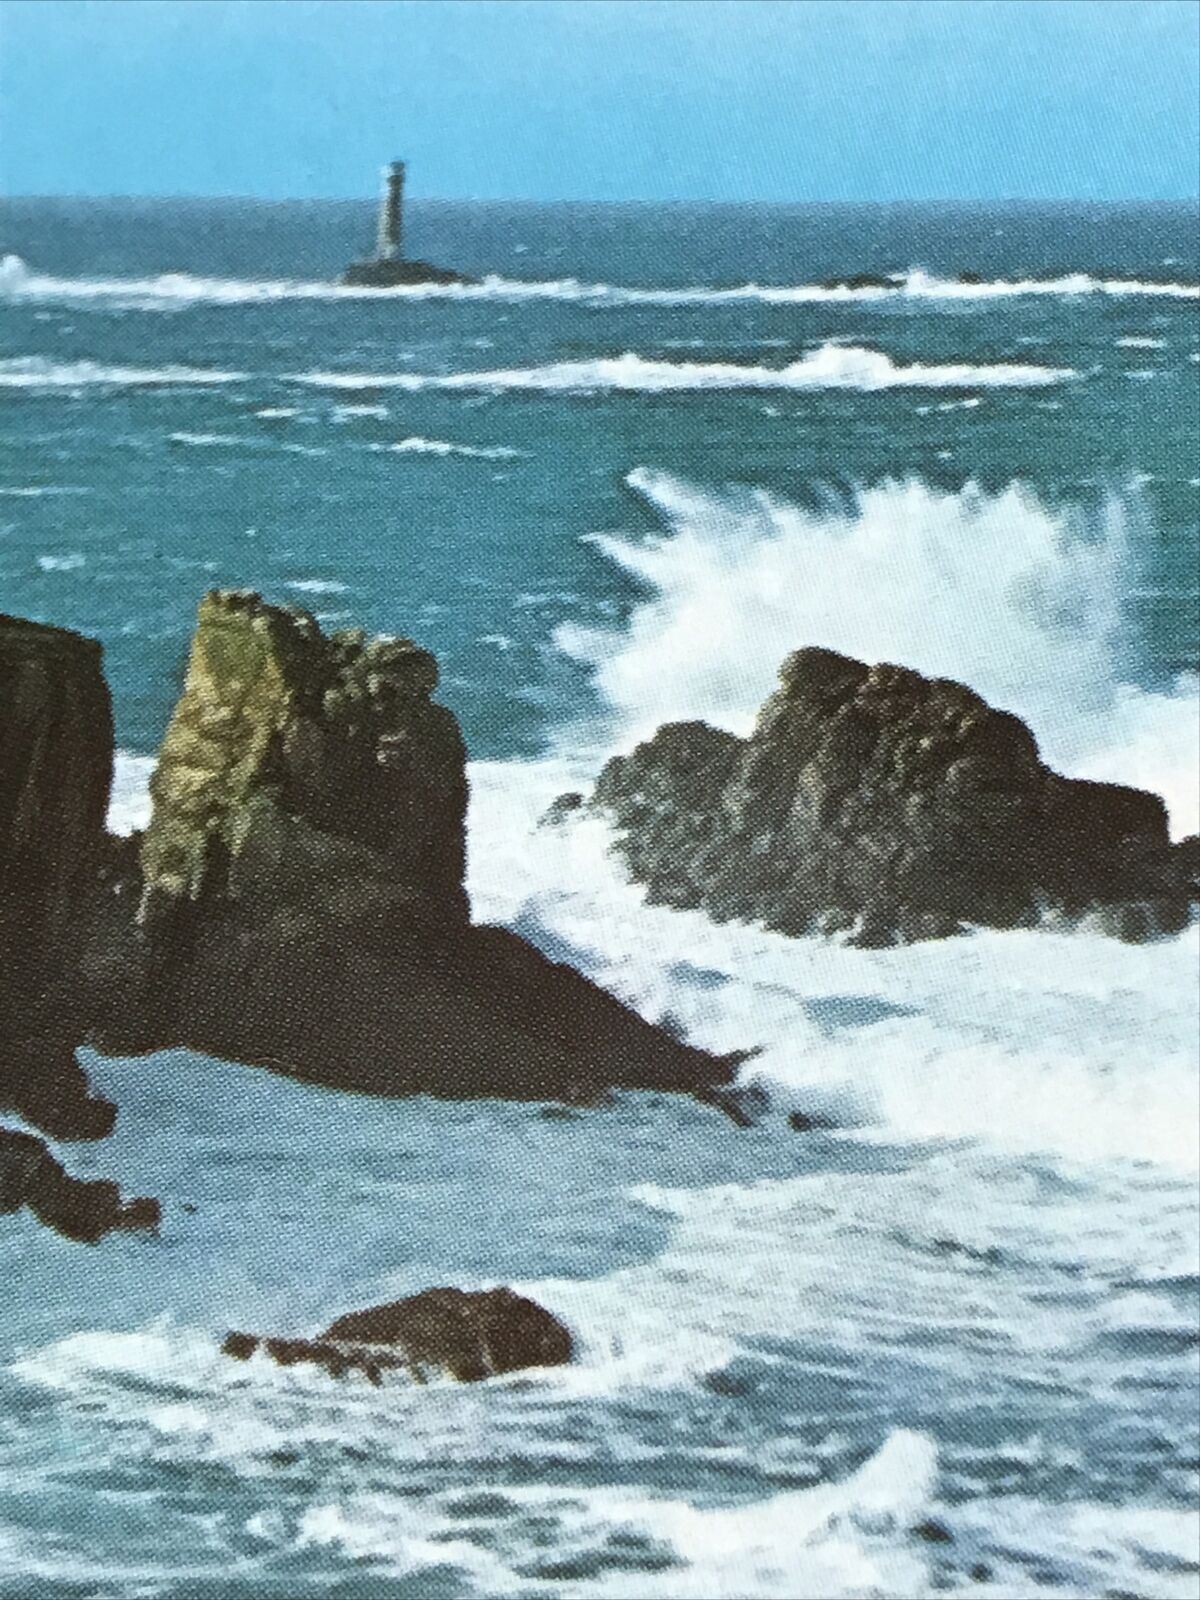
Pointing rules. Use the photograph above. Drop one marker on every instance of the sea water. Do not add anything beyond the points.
(611, 484)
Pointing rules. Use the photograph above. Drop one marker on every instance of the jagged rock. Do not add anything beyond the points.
(466, 1335)
(809, 1121)
(56, 751)
(293, 759)
(80, 1209)
(42, 1081)
(877, 802)
(299, 903)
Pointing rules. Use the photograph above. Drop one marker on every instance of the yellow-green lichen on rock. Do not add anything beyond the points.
(238, 696)
(282, 733)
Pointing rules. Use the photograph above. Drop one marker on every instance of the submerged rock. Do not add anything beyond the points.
(467, 1335)
(874, 801)
(80, 1209)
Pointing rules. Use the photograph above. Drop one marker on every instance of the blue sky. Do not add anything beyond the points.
(603, 99)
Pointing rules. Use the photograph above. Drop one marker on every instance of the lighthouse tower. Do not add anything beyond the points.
(387, 268)
(389, 245)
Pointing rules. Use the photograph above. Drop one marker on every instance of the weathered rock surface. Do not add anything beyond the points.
(297, 900)
(465, 1335)
(56, 751)
(874, 801)
(296, 763)
(81, 1209)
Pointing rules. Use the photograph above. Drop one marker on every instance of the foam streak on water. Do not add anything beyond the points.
(174, 289)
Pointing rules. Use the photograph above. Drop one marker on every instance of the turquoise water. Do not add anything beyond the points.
(611, 485)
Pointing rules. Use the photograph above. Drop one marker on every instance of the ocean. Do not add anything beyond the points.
(613, 484)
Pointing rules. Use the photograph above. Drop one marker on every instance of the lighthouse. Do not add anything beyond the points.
(387, 268)
(391, 214)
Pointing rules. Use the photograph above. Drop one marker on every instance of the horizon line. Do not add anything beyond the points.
(568, 200)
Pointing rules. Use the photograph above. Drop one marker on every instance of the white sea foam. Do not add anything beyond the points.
(40, 491)
(173, 290)
(318, 586)
(832, 366)
(1137, 342)
(64, 563)
(417, 446)
(42, 372)
(1033, 1041)
(837, 1539)
(202, 439)
(345, 413)
(129, 803)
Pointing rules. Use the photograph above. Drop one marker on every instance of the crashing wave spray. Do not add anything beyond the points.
(1020, 602)
(1030, 1040)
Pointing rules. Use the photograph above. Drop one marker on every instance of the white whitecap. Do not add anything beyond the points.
(318, 586)
(832, 366)
(443, 447)
(42, 372)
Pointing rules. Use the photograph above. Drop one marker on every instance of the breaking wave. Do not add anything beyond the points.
(443, 447)
(832, 366)
(41, 372)
(1020, 601)
(177, 289)
(1029, 1040)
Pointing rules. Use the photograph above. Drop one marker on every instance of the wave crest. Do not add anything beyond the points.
(831, 366)
(42, 372)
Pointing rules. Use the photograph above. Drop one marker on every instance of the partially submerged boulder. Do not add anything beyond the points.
(78, 1208)
(467, 1335)
(874, 801)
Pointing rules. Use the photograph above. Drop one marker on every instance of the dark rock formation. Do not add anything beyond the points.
(298, 901)
(864, 280)
(82, 1209)
(466, 1335)
(877, 802)
(56, 750)
(373, 273)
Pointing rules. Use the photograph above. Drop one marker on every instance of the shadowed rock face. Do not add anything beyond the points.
(464, 1335)
(56, 747)
(899, 807)
(80, 1209)
(299, 896)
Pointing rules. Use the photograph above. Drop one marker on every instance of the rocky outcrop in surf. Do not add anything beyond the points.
(466, 1335)
(82, 1209)
(297, 900)
(300, 892)
(891, 807)
(56, 752)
